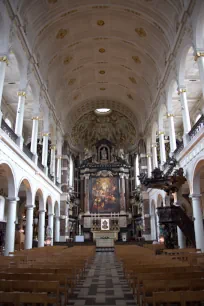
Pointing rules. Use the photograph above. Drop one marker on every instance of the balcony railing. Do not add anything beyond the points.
(8, 130)
(27, 152)
(197, 127)
(179, 148)
(40, 165)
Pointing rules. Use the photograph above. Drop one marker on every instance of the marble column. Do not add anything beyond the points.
(162, 148)
(199, 57)
(154, 156)
(52, 165)
(3, 63)
(50, 225)
(81, 193)
(59, 161)
(20, 117)
(45, 150)
(122, 193)
(86, 191)
(10, 226)
(34, 138)
(149, 165)
(198, 221)
(172, 134)
(127, 192)
(57, 228)
(29, 228)
(41, 228)
(185, 113)
(181, 237)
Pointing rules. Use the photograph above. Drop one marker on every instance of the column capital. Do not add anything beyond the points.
(45, 134)
(59, 157)
(21, 93)
(154, 145)
(148, 155)
(195, 196)
(4, 59)
(87, 176)
(181, 89)
(121, 175)
(168, 115)
(35, 118)
(161, 132)
(198, 54)
(53, 147)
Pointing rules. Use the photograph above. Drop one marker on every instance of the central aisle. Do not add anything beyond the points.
(104, 284)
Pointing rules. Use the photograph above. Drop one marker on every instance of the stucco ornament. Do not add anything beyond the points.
(91, 128)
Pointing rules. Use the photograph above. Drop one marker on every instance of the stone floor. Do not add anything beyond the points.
(104, 284)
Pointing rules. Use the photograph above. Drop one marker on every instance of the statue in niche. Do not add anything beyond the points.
(104, 155)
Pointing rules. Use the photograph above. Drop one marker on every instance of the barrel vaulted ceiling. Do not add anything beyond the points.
(109, 53)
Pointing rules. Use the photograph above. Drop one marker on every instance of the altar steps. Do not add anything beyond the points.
(98, 249)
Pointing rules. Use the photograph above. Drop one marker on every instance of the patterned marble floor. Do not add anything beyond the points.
(104, 284)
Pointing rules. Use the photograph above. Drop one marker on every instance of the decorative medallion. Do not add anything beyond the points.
(102, 50)
(102, 72)
(67, 60)
(136, 59)
(75, 97)
(141, 32)
(102, 88)
(100, 23)
(61, 34)
(132, 79)
(130, 96)
(71, 81)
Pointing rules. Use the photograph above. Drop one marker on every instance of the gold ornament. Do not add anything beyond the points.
(141, 32)
(71, 81)
(102, 88)
(4, 59)
(61, 33)
(21, 94)
(67, 60)
(136, 59)
(132, 79)
(102, 50)
(100, 23)
(102, 72)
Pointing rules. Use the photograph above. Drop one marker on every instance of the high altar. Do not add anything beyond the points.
(104, 192)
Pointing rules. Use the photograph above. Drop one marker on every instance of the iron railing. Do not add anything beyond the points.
(40, 165)
(27, 152)
(8, 130)
(197, 127)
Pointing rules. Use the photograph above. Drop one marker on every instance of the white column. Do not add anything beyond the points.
(172, 134)
(185, 112)
(50, 224)
(10, 226)
(154, 156)
(20, 116)
(198, 221)
(86, 193)
(59, 161)
(199, 57)
(57, 228)
(71, 172)
(34, 137)
(149, 165)
(3, 62)
(29, 227)
(41, 229)
(52, 165)
(181, 238)
(45, 150)
(122, 193)
(162, 148)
